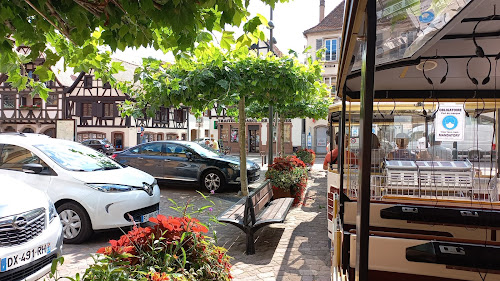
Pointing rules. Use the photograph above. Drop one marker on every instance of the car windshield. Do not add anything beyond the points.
(203, 151)
(77, 157)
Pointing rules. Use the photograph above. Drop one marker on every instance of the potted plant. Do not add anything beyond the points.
(306, 155)
(174, 248)
(288, 176)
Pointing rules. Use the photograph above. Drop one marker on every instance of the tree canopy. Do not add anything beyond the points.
(215, 76)
(78, 29)
(232, 78)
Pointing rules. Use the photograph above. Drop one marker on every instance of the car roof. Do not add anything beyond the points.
(29, 139)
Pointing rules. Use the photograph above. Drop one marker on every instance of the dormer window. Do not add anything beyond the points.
(87, 82)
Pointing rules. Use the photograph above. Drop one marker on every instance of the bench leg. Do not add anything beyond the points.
(250, 242)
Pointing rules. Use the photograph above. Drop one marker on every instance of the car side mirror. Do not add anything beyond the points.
(189, 155)
(32, 168)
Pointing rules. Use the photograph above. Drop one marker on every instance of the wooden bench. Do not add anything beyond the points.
(256, 210)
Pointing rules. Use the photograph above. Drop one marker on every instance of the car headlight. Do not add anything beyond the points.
(107, 187)
(52, 211)
(234, 166)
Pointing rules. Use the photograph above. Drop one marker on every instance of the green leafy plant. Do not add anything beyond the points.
(308, 156)
(174, 248)
(290, 175)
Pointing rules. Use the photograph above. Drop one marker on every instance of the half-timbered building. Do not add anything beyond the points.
(94, 106)
(22, 112)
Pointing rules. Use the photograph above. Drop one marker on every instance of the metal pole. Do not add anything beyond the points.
(426, 132)
(271, 111)
(341, 155)
(366, 121)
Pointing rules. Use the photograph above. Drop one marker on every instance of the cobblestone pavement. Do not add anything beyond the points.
(295, 250)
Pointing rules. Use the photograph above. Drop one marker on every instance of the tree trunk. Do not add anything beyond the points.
(282, 136)
(243, 150)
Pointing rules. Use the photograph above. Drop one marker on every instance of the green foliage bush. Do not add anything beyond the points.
(306, 155)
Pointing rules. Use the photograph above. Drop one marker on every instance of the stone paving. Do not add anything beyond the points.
(297, 249)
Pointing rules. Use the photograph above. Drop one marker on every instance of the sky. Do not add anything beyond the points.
(290, 20)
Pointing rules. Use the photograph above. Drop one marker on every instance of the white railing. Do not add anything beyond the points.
(449, 186)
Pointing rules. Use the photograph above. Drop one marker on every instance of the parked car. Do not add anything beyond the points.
(90, 190)
(30, 231)
(188, 162)
(103, 145)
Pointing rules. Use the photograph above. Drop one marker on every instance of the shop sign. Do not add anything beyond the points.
(450, 123)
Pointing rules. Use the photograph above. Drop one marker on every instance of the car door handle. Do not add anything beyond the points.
(140, 158)
(166, 160)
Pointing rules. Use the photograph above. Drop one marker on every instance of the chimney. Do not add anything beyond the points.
(321, 10)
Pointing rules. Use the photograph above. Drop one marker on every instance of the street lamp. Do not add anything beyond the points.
(271, 110)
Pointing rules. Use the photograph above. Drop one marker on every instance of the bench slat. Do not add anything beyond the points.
(261, 197)
(261, 204)
(235, 213)
(276, 212)
(271, 209)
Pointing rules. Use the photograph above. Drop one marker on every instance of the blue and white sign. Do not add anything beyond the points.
(450, 123)
(426, 17)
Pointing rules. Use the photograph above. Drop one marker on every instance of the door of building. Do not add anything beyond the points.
(321, 140)
(118, 141)
(253, 145)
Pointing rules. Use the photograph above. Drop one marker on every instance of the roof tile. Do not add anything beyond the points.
(333, 21)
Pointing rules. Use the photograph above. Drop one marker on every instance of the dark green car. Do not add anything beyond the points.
(188, 162)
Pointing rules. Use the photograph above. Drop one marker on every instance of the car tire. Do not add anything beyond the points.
(76, 223)
(100, 150)
(213, 180)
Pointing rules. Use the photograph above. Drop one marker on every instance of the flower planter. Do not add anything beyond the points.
(288, 176)
(280, 193)
(308, 156)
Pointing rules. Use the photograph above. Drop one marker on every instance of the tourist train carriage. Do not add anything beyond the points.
(417, 218)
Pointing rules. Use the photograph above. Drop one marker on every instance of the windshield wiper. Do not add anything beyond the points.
(105, 168)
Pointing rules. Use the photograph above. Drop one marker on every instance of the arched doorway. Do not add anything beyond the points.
(51, 132)
(28, 130)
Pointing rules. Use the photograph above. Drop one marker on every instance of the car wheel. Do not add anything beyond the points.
(76, 223)
(100, 150)
(213, 181)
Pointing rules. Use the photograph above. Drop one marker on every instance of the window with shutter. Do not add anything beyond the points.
(86, 110)
(87, 82)
(179, 115)
(108, 110)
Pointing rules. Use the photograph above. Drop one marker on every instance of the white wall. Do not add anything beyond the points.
(296, 132)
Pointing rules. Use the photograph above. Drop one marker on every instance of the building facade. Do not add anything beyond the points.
(21, 112)
(326, 34)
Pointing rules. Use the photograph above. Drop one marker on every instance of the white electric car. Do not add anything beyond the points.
(89, 190)
(30, 231)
